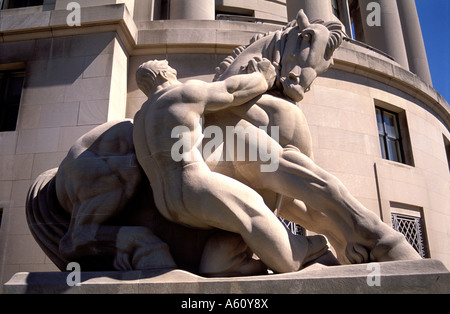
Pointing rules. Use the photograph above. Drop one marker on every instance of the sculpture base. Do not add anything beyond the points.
(421, 276)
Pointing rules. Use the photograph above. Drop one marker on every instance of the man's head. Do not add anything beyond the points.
(147, 74)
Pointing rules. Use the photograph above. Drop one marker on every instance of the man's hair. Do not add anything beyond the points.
(148, 72)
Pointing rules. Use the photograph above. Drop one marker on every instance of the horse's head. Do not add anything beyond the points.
(307, 53)
(302, 50)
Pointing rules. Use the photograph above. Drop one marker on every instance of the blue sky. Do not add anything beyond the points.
(434, 17)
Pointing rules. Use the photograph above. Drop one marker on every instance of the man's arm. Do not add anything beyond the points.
(239, 89)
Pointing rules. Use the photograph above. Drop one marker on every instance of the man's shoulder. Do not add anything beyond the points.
(195, 84)
(192, 91)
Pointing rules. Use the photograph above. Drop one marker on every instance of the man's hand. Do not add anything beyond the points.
(254, 80)
(264, 67)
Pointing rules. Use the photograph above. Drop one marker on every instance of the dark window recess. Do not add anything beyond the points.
(165, 10)
(447, 150)
(12, 4)
(11, 84)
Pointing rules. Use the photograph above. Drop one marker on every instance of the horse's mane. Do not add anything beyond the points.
(334, 41)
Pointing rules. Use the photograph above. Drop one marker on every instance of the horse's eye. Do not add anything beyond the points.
(307, 36)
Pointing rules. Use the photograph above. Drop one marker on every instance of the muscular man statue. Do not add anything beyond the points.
(188, 192)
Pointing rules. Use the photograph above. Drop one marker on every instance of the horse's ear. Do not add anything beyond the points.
(302, 20)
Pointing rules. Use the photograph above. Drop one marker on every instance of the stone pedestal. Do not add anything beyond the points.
(426, 276)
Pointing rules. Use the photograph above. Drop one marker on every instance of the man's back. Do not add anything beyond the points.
(177, 107)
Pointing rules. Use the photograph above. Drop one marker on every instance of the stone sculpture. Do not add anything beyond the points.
(187, 192)
(310, 197)
(122, 200)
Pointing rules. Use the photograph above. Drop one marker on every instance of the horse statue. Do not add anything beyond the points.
(97, 208)
(299, 190)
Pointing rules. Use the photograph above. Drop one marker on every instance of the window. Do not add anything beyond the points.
(12, 4)
(165, 10)
(408, 220)
(393, 133)
(11, 84)
(389, 135)
(412, 228)
(293, 227)
(1, 216)
(234, 14)
(447, 150)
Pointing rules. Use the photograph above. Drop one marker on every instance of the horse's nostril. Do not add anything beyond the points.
(294, 77)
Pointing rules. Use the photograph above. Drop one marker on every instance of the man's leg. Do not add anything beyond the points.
(226, 254)
(312, 219)
(217, 201)
(362, 234)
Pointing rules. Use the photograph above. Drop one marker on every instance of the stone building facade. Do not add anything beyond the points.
(376, 121)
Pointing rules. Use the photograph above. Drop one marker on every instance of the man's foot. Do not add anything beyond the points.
(317, 247)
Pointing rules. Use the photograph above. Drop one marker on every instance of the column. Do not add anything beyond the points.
(314, 9)
(145, 10)
(387, 37)
(192, 10)
(415, 47)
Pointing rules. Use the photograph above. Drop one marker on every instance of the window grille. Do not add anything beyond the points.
(412, 228)
(293, 227)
